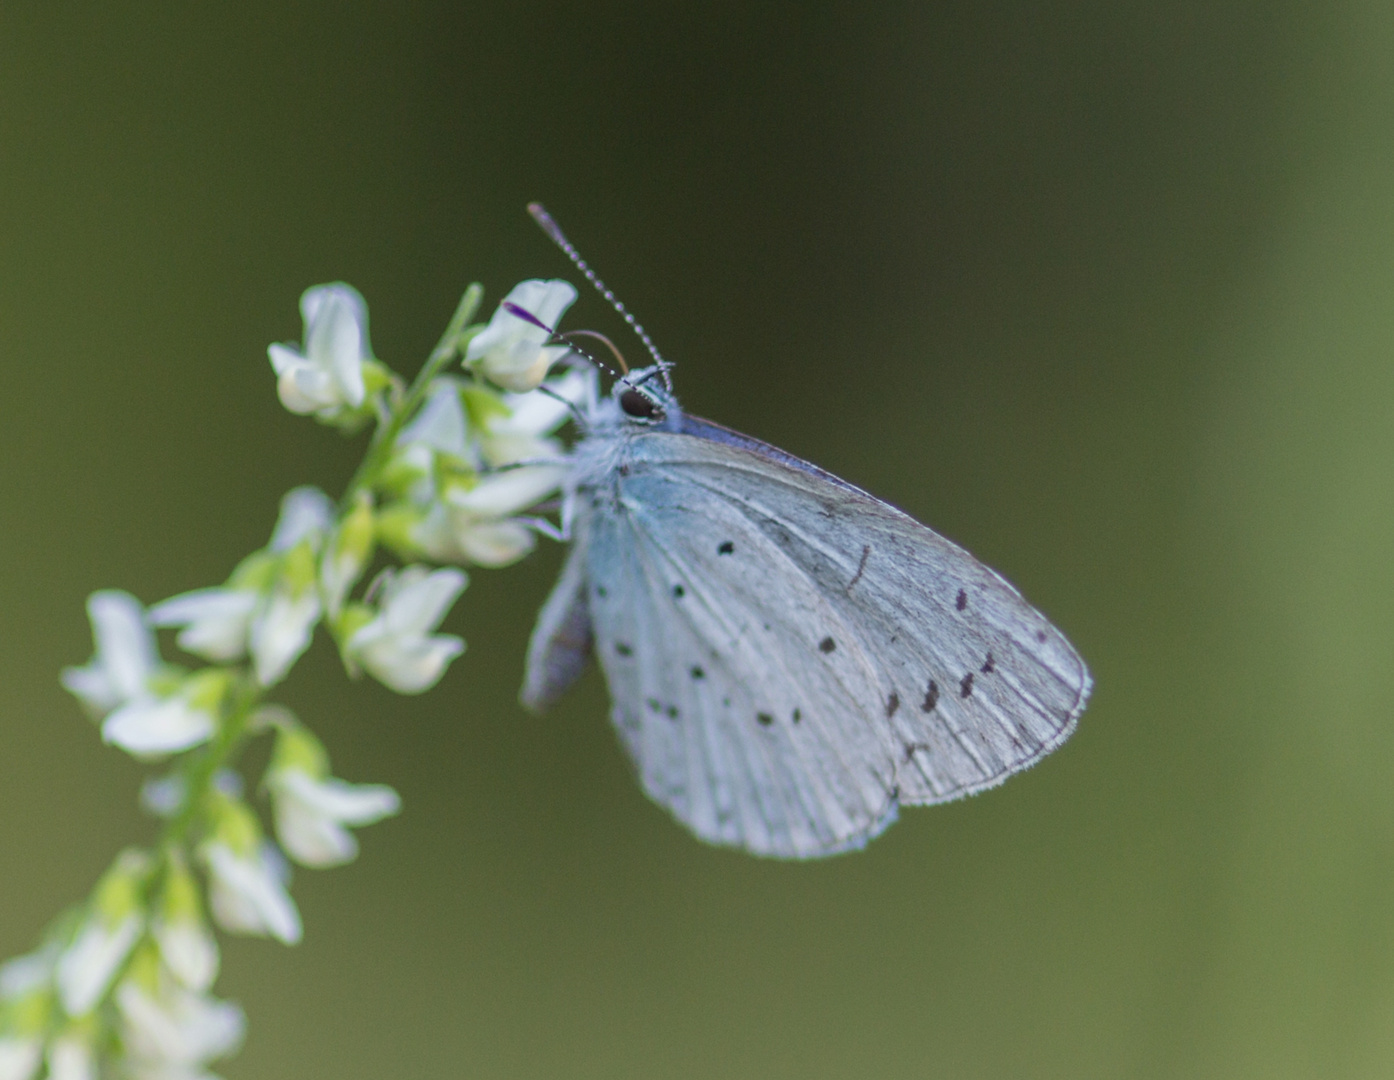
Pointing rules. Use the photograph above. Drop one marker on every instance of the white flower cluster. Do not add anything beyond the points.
(142, 945)
(121, 985)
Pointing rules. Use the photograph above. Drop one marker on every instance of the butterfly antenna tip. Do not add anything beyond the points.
(549, 226)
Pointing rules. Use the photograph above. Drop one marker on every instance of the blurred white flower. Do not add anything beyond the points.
(270, 605)
(70, 1058)
(215, 621)
(189, 950)
(507, 492)
(327, 375)
(186, 945)
(473, 525)
(519, 433)
(283, 625)
(248, 893)
(311, 814)
(513, 352)
(449, 535)
(151, 726)
(117, 684)
(440, 425)
(105, 938)
(92, 960)
(282, 631)
(397, 647)
(25, 974)
(125, 655)
(172, 1032)
(20, 1056)
(307, 513)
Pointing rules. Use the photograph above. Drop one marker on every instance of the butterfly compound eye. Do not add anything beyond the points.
(640, 405)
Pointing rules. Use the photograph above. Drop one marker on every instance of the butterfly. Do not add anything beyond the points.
(789, 658)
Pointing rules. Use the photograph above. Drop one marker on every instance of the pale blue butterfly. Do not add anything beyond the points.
(789, 658)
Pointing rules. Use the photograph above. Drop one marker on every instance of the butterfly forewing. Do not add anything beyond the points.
(744, 740)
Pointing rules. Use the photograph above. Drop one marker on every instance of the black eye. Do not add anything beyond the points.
(639, 405)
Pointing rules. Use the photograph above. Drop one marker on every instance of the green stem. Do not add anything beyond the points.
(232, 734)
(386, 435)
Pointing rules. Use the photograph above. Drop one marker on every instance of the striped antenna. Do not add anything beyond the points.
(554, 233)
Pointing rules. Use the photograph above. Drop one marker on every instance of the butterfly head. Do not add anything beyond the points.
(643, 397)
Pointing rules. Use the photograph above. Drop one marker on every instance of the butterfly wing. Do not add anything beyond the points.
(974, 683)
(740, 736)
(789, 657)
(563, 637)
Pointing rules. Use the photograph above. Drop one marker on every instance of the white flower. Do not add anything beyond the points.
(270, 605)
(282, 631)
(518, 436)
(311, 814)
(125, 656)
(509, 491)
(186, 946)
(19, 1056)
(513, 352)
(116, 684)
(216, 622)
(151, 726)
(440, 424)
(248, 893)
(327, 375)
(86, 969)
(25, 974)
(307, 513)
(449, 535)
(174, 1032)
(471, 525)
(283, 624)
(70, 1058)
(189, 950)
(397, 647)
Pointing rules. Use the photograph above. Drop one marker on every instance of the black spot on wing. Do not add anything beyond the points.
(1041, 636)
(965, 688)
(989, 666)
(624, 649)
(679, 592)
(892, 704)
(827, 645)
(697, 672)
(656, 706)
(797, 716)
(725, 547)
(931, 697)
(962, 601)
(764, 718)
(601, 592)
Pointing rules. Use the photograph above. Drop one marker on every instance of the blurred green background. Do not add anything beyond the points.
(1102, 291)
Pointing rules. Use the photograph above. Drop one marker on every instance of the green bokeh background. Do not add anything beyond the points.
(1102, 291)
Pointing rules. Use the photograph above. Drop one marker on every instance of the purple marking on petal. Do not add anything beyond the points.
(527, 316)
